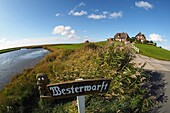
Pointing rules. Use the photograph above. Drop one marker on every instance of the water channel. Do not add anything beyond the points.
(12, 63)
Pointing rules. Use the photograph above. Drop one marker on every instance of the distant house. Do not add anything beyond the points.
(87, 41)
(140, 37)
(110, 40)
(121, 37)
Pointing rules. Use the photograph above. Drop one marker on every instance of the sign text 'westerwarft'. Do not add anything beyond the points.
(77, 88)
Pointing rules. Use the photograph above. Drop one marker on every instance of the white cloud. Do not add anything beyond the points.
(105, 14)
(68, 35)
(76, 13)
(3, 40)
(144, 5)
(58, 14)
(11, 43)
(96, 17)
(116, 14)
(72, 31)
(67, 28)
(66, 31)
(81, 13)
(156, 38)
(58, 29)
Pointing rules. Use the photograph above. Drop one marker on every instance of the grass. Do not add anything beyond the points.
(88, 62)
(52, 46)
(76, 46)
(117, 43)
(55, 46)
(8, 50)
(102, 43)
(154, 52)
(67, 46)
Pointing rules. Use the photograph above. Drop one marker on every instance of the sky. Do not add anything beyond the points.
(35, 22)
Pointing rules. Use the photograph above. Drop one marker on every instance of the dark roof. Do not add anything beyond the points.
(140, 34)
(109, 39)
(121, 35)
(116, 35)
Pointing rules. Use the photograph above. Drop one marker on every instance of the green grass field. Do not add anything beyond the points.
(76, 46)
(55, 46)
(102, 43)
(154, 52)
(147, 50)
(67, 46)
(8, 50)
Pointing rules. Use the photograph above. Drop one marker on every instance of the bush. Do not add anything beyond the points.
(131, 39)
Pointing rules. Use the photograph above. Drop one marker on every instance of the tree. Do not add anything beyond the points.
(151, 41)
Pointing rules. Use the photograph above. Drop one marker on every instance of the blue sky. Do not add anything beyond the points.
(32, 22)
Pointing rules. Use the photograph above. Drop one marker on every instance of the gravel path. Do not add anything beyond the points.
(151, 63)
(161, 67)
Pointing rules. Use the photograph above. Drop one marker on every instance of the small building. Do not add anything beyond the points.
(110, 40)
(87, 41)
(121, 37)
(140, 37)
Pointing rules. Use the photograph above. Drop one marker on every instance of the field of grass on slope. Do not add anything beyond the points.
(67, 46)
(153, 51)
(90, 61)
(76, 46)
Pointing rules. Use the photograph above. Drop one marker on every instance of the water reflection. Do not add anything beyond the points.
(15, 62)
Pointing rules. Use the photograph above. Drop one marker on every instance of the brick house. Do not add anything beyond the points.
(140, 37)
(121, 37)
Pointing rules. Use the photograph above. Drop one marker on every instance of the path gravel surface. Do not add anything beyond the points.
(162, 67)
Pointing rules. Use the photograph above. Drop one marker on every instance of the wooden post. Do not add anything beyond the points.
(81, 101)
(81, 104)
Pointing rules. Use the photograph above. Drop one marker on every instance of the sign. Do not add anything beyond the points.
(77, 88)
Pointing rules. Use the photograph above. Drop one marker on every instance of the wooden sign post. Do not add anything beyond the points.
(81, 101)
(81, 104)
(77, 88)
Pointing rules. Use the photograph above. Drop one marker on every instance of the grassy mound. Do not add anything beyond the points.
(153, 51)
(126, 92)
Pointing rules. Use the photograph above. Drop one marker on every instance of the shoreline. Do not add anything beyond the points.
(45, 46)
(8, 50)
(16, 65)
